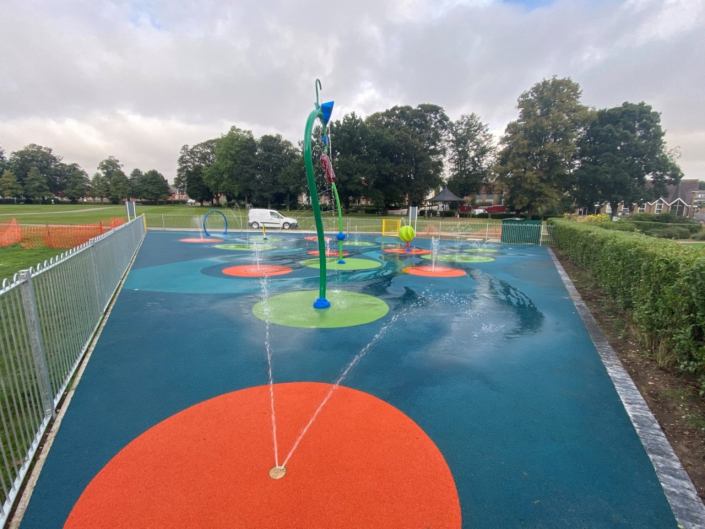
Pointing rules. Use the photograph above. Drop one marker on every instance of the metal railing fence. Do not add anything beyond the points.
(444, 228)
(48, 317)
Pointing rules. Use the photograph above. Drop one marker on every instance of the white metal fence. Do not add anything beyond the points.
(48, 316)
(444, 228)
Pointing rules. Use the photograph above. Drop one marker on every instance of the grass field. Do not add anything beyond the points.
(15, 258)
(90, 213)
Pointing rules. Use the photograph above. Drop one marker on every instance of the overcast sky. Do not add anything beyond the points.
(137, 80)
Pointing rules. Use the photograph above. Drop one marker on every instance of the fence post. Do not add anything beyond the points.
(440, 229)
(35, 339)
(96, 280)
(162, 220)
(487, 232)
(541, 235)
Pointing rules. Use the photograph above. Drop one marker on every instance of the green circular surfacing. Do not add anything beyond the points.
(350, 264)
(459, 258)
(252, 240)
(295, 309)
(480, 250)
(242, 247)
(359, 243)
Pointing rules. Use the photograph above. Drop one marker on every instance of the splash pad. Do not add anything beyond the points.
(415, 356)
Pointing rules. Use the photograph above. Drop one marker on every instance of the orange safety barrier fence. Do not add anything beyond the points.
(68, 236)
(53, 235)
(9, 232)
(116, 221)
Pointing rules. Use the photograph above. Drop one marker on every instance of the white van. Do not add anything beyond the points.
(269, 218)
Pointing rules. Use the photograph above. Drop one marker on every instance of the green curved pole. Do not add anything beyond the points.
(321, 302)
(340, 222)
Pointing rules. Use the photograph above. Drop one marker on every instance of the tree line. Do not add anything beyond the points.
(391, 158)
(36, 173)
(558, 153)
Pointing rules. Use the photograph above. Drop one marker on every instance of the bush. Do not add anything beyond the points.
(647, 227)
(699, 236)
(162, 202)
(506, 216)
(667, 218)
(672, 232)
(616, 226)
(588, 219)
(658, 283)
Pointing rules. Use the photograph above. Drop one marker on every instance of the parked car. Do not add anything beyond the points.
(477, 211)
(269, 218)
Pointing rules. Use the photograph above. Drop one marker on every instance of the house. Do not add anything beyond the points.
(683, 199)
(698, 200)
(488, 197)
(176, 194)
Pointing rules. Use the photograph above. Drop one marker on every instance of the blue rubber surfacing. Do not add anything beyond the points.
(496, 367)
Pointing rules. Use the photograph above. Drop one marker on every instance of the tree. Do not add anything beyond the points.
(154, 186)
(3, 161)
(539, 149)
(9, 186)
(99, 187)
(136, 183)
(274, 156)
(471, 155)
(36, 187)
(234, 170)
(701, 185)
(119, 187)
(45, 161)
(109, 168)
(411, 141)
(354, 156)
(622, 150)
(77, 185)
(292, 179)
(192, 164)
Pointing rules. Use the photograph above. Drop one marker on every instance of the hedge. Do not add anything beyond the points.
(651, 226)
(664, 218)
(498, 216)
(616, 226)
(673, 232)
(658, 283)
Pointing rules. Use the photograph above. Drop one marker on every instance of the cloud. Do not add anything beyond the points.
(137, 80)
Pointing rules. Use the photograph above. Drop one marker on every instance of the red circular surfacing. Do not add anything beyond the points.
(329, 253)
(256, 271)
(414, 251)
(316, 238)
(362, 463)
(439, 271)
(198, 239)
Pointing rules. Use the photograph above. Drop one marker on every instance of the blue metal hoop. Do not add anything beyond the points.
(206, 216)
